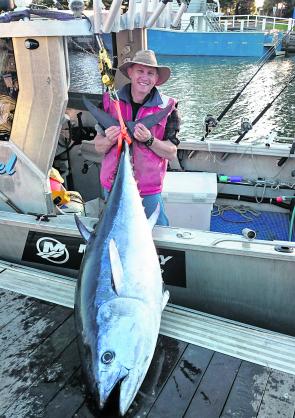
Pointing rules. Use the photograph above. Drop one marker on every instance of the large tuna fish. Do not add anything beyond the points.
(119, 295)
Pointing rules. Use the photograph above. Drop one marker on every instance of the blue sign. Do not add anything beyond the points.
(8, 168)
(293, 13)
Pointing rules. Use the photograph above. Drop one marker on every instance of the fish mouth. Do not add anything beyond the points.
(113, 390)
(128, 390)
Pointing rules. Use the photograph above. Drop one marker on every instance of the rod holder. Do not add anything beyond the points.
(248, 233)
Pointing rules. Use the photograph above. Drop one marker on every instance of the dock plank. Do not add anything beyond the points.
(182, 384)
(247, 391)
(68, 400)
(73, 401)
(11, 307)
(83, 412)
(53, 379)
(279, 397)
(214, 389)
(20, 325)
(19, 362)
(6, 296)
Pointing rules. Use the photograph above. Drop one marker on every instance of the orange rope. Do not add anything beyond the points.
(123, 134)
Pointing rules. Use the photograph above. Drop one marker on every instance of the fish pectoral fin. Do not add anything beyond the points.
(150, 120)
(155, 118)
(84, 231)
(152, 220)
(165, 299)
(130, 126)
(116, 266)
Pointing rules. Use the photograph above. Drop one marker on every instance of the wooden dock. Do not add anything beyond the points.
(41, 375)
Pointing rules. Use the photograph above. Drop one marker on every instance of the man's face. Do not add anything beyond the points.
(143, 78)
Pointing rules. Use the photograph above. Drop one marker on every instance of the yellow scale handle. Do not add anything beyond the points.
(105, 67)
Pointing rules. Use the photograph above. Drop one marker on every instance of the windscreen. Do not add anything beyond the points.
(8, 87)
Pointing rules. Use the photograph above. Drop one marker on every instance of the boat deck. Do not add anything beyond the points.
(41, 374)
(267, 225)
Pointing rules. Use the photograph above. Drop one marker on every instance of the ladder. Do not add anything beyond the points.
(213, 22)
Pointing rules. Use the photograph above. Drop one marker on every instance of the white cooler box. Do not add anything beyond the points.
(188, 199)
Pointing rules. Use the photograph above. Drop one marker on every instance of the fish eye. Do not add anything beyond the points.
(107, 357)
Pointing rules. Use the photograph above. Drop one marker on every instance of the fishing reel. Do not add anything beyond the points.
(246, 126)
(209, 123)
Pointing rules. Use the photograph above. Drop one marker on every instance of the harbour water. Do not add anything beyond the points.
(207, 84)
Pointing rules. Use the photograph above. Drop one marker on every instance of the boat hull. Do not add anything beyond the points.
(217, 273)
(226, 44)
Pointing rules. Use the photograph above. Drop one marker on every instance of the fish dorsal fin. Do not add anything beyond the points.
(104, 119)
(116, 266)
(84, 231)
(165, 299)
(152, 220)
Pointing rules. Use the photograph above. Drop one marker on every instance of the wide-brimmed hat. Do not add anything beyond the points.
(147, 57)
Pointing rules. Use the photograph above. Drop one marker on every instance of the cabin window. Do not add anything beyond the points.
(8, 87)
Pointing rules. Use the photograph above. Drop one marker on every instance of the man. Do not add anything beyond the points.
(151, 149)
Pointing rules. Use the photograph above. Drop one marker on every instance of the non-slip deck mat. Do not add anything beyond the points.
(267, 225)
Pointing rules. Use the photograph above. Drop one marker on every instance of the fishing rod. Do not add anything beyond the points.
(210, 121)
(265, 109)
(258, 117)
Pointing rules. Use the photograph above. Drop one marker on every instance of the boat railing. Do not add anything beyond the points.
(254, 22)
(237, 23)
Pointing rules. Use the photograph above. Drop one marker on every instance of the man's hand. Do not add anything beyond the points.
(164, 149)
(112, 134)
(141, 133)
(104, 143)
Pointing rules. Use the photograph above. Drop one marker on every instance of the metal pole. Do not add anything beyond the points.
(177, 19)
(154, 16)
(113, 12)
(97, 16)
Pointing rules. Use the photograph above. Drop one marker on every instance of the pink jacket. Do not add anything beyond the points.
(149, 168)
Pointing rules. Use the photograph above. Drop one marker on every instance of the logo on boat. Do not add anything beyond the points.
(58, 250)
(172, 264)
(8, 168)
(163, 260)
(52, 250)
(67, 252)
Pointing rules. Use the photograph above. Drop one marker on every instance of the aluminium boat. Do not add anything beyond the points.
(241, 274)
